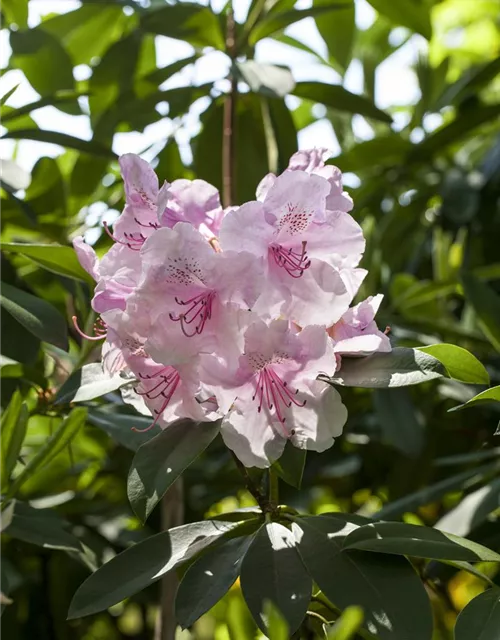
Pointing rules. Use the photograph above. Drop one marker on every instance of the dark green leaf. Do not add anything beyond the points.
(88, 383)
(277, 21)
(62, 97)
(416, 541)
(338, 98)
(55, 137)
(486, 304)
(129, 431)
(187, 21)
(159, 462)
(272, 570)
(401, 423)
(38, 316)
(384, 150)
(386, 587)
(267, 79)
(460, 363)
(290, 466)
(208, 579)
(53, 257)
(469, 83)
(13, 431)
(338, 30)
(51, 448)
(408, 13)
(485, 397)
(399, 368)
(481, 617)
(284, 130)
(143, 564)
(42, 527)
(43, 60)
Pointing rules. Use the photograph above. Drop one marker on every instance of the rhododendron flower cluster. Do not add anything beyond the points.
(233, 314)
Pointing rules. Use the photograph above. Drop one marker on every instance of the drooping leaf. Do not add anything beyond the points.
(401, 423)
(43, 60)
(460, 363)
(159, 462)
(486, 304)
(386, 587)
(290, 466)
(414, 15)
(338, 30)
(56, 258)
(480, 618)
(42, 527)
(208, 580)
(143, 564)
(339, 99)
(13, 431)
(188, 21)
(38, 316)
(416, 541)
(51, 448)
(272, 570)
(267, 79)
(485, 397)
(399, 368)
(63, 139)
(88, 383)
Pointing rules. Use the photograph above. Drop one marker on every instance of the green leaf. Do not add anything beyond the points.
(143, 564)
(43, 60)
(53, 257)
(408, 13)
(486, 304)
(284, 131)
(401, 423)
(55, 137)
(52, 447)
(277, 628)
(278, 21)
(460, 363)
(416, 541)
(160, 461)
(399, 368)
(386, 587)
(61, 97)
(349, 623)
(88, 383)
(338, 31)
(435, 491)
(13, 431)
(16, 11)
(129, 431)
(187, 21)
(384, 150)
(469, 83)
(485, 397)
(38, 316)
(338, 98)
(267, 79)
(208, 580)
(42, 527)
(290, 466)
(272, 570)
(481, 617)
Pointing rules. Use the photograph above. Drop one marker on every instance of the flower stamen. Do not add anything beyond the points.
(293, 262)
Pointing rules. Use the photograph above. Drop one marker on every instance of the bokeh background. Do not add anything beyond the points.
(407, 97)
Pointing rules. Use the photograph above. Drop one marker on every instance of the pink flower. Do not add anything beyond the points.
(273, 396)
(305, 248)
(356, 333)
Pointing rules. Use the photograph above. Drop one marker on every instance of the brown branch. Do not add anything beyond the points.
(228, 127)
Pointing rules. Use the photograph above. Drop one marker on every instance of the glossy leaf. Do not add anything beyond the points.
(460, 363)
(13, 431)
(38, 316)
(143, 564)
(485, 397)
(486, 304)
(416, 541)
(290, 466)
(399, 368)
(272, 570)
(386, 587)
(88, 383)
(208, 579)
(56, 258)
(131, 431)
(188, 21)
(339, 99)
(480, 618)
(159, 462)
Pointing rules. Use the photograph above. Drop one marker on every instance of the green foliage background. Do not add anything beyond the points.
(429, 204)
